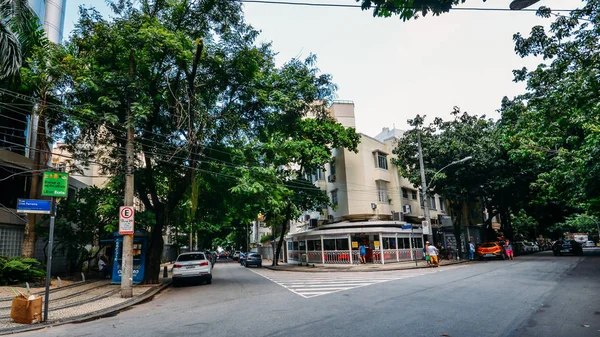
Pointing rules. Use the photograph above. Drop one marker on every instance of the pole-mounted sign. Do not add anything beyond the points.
(55, 184)
(126, 216)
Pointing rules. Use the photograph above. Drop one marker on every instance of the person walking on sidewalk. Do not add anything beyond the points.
(425, 254)
(509, 250)
(363, 253)
(432, 251)
(471, 251)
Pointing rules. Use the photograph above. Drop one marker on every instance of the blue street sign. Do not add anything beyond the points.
(34, 206)
(407, 227)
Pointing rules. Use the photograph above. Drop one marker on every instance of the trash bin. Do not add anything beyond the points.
(26, 310)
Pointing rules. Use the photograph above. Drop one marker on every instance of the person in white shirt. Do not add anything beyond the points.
(471, 251)
(104, 267)
(433, 255)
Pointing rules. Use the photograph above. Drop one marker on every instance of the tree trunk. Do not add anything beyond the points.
(282, 234)
(155, 248)
(28, 246)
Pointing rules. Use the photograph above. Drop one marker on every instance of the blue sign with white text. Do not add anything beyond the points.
(34, 206)
(407, 227)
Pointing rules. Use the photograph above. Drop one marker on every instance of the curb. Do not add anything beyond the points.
(320, 270)
(110, 311)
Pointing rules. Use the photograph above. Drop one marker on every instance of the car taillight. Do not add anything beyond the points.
(177, 266)
(205, 263)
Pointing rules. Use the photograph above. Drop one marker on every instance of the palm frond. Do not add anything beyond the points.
(11, 57)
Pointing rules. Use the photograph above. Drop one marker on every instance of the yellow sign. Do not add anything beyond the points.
(354, 244)
(376, 243)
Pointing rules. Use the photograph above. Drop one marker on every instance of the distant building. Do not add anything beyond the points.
(52, 16)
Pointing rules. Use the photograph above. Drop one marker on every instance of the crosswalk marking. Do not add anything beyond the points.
(310, 285)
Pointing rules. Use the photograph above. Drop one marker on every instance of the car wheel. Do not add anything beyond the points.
(176, 283)
(209, 281)
(246, 265)
(555, 254)
(260, 265)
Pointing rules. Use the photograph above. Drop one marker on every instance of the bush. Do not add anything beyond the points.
(17, 270)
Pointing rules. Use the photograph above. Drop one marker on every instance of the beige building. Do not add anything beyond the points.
(87, 175)
(373, 204)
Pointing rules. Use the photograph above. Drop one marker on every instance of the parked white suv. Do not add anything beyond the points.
(236, 255)
(190, 266)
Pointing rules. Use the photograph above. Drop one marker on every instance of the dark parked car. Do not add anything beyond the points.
(253, 259)
(561, 247)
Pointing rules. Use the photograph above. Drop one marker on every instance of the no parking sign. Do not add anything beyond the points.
(126, 220)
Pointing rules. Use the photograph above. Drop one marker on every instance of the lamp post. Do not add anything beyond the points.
(425, 186)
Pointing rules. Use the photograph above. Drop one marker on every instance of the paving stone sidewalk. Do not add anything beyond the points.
(81, 301)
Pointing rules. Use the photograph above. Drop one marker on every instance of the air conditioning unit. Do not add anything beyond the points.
(331, 178)
(396, 216)
(330, 217)
(313, 223)
(406, 209)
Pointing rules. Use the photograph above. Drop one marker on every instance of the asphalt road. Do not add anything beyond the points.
(534, 295)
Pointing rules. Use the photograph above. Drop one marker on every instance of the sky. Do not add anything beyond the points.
(393, 70)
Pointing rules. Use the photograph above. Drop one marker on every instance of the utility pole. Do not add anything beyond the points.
(424, 189)
(127, 258)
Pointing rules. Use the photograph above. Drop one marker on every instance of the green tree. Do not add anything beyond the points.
(554, 125)
(297, 138)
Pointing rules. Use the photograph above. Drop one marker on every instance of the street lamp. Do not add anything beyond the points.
(425, 186)
(517, 5)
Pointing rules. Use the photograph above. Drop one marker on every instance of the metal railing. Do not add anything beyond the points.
(337, 257)
(293, 255)
(315, 257)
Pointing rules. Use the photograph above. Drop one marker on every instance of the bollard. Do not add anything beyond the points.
(59, 281)
(27, 286)
(82, 277)
(165, 272)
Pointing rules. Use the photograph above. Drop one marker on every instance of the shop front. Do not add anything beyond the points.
(385, 243)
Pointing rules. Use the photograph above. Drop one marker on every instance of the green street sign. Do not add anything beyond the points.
(55, 184)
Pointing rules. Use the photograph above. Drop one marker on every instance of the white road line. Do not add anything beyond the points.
(309, 286)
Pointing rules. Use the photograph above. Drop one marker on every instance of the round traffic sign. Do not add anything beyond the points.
(126, 212)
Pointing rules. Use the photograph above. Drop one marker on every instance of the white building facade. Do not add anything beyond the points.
(372, 205)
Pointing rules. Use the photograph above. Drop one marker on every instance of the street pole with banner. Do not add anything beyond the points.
(54, 185)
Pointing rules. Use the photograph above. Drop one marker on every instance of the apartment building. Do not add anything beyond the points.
(372, 204)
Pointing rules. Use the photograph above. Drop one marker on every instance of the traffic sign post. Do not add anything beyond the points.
(126, 220)
(54, 185)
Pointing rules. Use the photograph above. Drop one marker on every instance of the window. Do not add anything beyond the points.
(382, 195)
(432, 203)
(191, 257)
(389, 243)
(442, 204)
(334, 197)
(404, 193)
(381, 160)
(414, 195)
(319, 174)
(332, 166)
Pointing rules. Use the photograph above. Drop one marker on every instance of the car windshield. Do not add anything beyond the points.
(190, 257)
(253, 255)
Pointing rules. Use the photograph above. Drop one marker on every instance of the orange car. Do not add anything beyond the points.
(489, 250)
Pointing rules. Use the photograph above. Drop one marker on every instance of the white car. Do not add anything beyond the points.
(531, 247)
(589, 244)
(236, 255)
(193, 265)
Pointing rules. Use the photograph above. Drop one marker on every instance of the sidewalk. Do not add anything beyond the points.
(369, 267)
(79, 301)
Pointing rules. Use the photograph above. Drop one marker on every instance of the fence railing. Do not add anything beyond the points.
(294, 255)
(315, 257)
(337, 257)
(389, 255)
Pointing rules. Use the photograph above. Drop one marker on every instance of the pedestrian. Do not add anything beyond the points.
(425, 254)
(363, 252)
(509, 250)
(432, 251)
(104, 267)
(471, 251)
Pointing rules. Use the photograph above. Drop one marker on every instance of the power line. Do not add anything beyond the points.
(321, 4)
